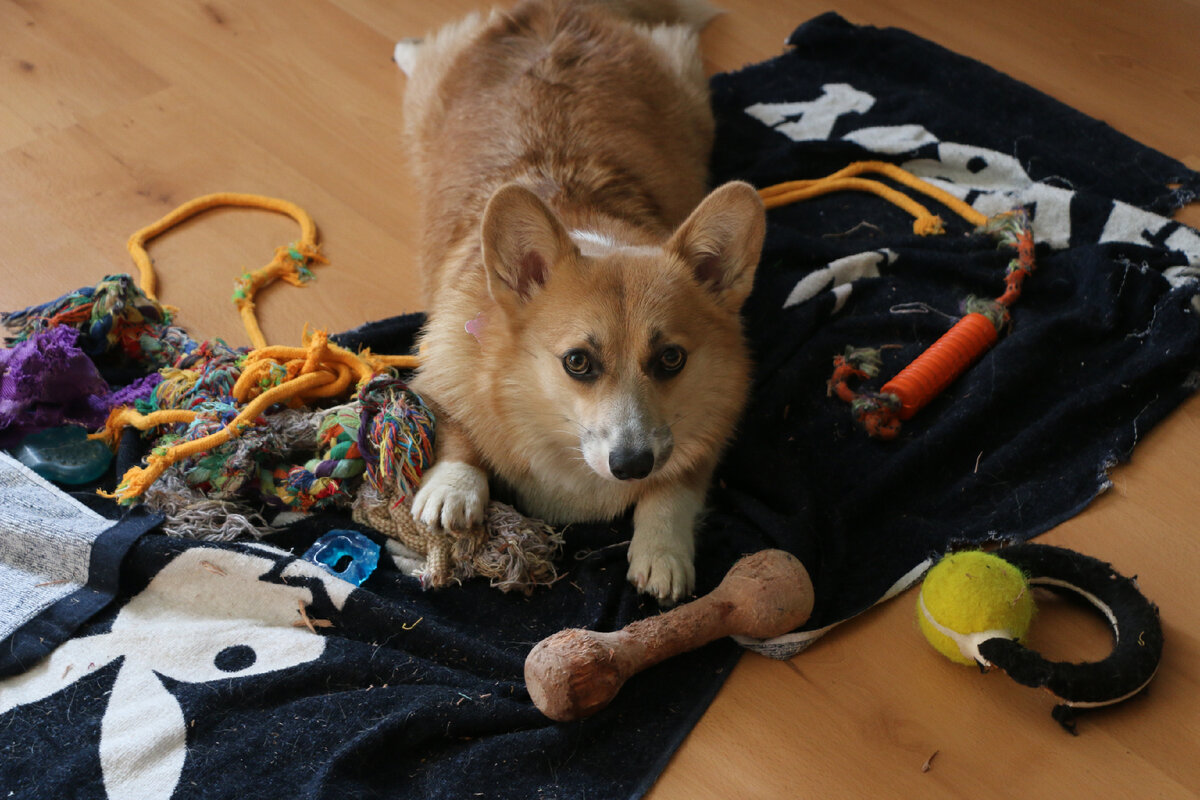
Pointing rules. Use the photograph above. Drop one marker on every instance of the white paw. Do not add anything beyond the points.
(453, 496)
(666, 572)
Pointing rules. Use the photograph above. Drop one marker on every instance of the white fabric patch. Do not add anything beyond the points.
(1129, 223)
(838, 276)
(206, 616)
(1187, 241)
(813, 120)
(962, 169)
(143, 738)
(1182, 276)
(892, 139)
(969, 167)
(337, 587)
(1051, 210)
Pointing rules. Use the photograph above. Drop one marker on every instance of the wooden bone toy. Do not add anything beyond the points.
(576, 672)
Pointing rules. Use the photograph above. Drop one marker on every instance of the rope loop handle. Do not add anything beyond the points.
(290, 263)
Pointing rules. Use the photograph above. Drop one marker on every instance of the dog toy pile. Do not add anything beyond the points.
(880, 413)
(243, 429)
(975, 607)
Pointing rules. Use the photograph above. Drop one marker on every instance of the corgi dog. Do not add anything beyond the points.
(583, 349)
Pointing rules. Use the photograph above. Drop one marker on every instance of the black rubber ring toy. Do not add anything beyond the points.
(1136, 629)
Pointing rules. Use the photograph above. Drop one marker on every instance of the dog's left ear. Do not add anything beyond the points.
(522, 241)
(722, 240)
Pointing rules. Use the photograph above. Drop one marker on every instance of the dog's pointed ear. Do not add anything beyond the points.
(522, 242)
(722, 241)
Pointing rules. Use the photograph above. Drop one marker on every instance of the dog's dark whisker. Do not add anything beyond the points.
(669, 425)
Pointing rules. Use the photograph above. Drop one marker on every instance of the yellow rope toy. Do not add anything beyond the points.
(925, 223)
(318, 370)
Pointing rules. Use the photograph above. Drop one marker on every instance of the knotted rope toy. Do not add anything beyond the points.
(880, 413)
(112, 316)
(227, 438)
(976, 618)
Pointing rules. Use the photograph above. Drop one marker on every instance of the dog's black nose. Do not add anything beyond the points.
(628, 464)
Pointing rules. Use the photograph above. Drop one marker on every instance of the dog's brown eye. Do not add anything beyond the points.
(577, 363)
(672, 359)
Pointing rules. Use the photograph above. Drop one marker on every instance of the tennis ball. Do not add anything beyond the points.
(969, 597)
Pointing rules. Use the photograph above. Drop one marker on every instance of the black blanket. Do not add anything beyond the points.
(198, 682)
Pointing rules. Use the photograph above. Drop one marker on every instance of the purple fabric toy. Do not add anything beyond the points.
(48, 381)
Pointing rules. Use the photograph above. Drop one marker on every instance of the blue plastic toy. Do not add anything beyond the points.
(347, 554)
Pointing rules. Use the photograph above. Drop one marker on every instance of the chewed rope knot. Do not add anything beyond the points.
(929, 226)
(395, 436)
(878, 414)
(112, 315)
(996, 312)
(863, 359)
(861, 362)
(291, 264)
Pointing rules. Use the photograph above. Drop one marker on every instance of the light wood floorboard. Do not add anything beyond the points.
(114, 111)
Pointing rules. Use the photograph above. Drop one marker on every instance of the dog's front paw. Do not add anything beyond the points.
(663, 549)
(665, 572)
(453, 496)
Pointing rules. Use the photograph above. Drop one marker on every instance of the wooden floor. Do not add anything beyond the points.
(112, 112)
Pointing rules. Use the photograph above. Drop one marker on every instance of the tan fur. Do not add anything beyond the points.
(560, 148)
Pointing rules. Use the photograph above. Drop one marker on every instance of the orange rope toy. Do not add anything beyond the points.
(880, 413)
(317, 370)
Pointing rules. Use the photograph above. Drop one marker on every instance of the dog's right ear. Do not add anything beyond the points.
(522, 241)
(722, 241)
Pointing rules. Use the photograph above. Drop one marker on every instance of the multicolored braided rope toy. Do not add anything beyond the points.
(234, 420)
